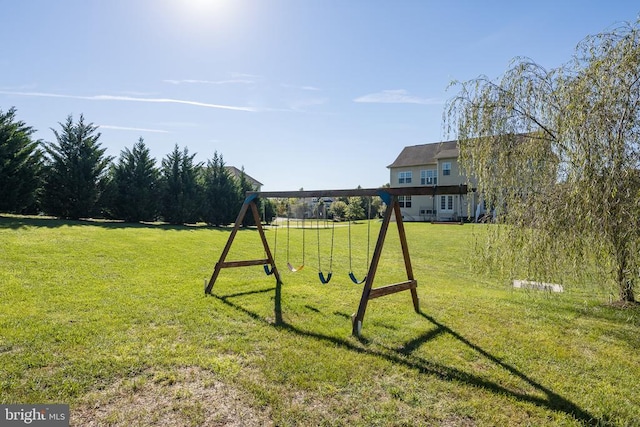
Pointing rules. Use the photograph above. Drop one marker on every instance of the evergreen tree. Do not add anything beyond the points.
(75, 172)
(180, 189)
(221, 193)
(20, 165)
(243, 186)
(268, 210)
(135, 185)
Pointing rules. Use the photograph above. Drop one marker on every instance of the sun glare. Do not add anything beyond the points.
(204, 9)
(203, 18)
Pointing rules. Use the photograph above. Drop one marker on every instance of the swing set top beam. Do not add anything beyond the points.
(395, 191)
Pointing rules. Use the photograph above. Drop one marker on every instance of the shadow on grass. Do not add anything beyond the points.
(17, 222)
(403, 356)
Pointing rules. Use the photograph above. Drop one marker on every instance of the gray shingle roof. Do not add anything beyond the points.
(425, 154)
(235, 172)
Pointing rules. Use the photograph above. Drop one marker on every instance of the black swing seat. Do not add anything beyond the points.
(268, 271)
(324, 280)
(356, 281)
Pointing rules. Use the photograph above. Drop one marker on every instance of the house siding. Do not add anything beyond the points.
(435, 156)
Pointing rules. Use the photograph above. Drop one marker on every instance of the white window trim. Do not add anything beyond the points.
(403, 176)
(447, 204)
(403, 201)
(424, 178)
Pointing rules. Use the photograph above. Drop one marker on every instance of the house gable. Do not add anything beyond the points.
(425, 154)
(237, 173)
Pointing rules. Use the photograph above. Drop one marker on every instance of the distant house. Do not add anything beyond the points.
(237, 173)
(434, 164)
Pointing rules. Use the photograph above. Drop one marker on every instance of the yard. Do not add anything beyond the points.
(112, 319)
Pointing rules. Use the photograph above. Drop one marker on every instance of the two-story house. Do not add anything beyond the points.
(434, 164)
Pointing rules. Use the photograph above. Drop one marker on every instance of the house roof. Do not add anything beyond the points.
(425, 154)
(236, 173)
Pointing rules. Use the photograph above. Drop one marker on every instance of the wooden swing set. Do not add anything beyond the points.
(390, 197)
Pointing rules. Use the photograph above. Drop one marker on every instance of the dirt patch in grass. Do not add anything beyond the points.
(183, 397)
(625, 304)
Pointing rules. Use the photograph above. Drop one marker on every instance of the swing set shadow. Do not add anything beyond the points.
(405, 356)
(390, 197)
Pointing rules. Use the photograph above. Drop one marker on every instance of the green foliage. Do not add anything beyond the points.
(75, 172)
(221, 198)
(135, 183)
(180, 190)
(268, 209)
(355, 208)
(377, 207)
(338, 209)
(243, 186)
(556, 153)
(20, 165)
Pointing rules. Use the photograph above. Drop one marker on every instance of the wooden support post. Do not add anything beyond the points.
(411, 284)
(270, 260)
(373, 267)
(225, 251)
(407, 257)
(248, 203)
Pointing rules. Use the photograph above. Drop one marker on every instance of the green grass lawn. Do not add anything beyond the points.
(112, 319)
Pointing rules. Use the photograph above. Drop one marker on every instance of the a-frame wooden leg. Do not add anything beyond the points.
(225, 251)
(410, 284)
(249, 203)
(407, 257)
(358, 318)
(265, 244)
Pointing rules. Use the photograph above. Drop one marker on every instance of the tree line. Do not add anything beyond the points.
(73, 178)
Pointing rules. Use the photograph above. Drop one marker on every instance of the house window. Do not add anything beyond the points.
(404, 201)
(446, 203)
(429, 177)
(404, 177)
(446, 168)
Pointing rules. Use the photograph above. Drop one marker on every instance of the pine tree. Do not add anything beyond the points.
(179, 187)
(243, 186)
(221, 193)
(135, 180)
(75, 171)
(20, 165)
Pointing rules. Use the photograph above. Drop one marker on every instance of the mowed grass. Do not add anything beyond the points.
(112, 319)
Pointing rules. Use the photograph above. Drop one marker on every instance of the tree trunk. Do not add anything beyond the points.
(626, 291)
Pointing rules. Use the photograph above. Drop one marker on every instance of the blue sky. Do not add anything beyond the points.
(317, 94)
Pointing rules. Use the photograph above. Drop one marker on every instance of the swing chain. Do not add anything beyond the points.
(321, 275)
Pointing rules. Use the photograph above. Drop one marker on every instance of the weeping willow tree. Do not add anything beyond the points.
(556, 153)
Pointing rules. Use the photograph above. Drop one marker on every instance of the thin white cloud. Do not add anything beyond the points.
(236, 75)
(310, 88)
(131, 99)
(397, 96)
(209, 82)
(133, 129)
